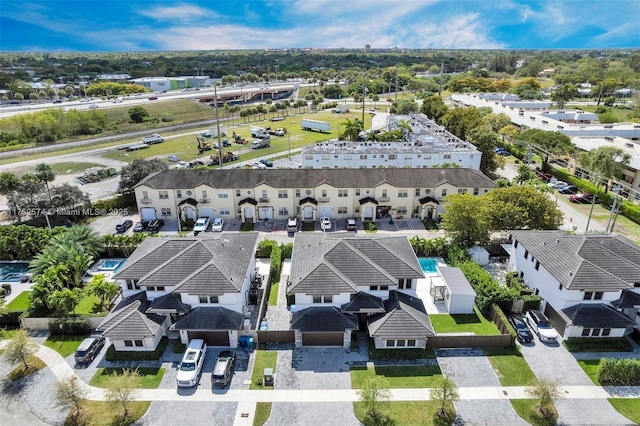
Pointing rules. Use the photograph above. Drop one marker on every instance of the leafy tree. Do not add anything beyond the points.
(521, 207)
(137, 170)
(352, 129)
(374, 398)
(433, 107)
(138, 114)
(64, 301)
(486, 141)
(460, 121)
(20, 348)
(564, 94)
(510, 131)
(332, 91)
(466, 219)
(445, 394)
(100, 287)
(607, 161)
(70, 395)
(496, 121)
(122, 388)
(545, 391)
(67, 196)
(404, 106)
(554, 142)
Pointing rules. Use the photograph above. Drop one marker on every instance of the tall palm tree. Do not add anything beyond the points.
(103, 289)
(82, 235)
(352, 129)
(64, 301)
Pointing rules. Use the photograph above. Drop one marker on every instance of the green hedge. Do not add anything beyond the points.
(287, 250)
(503, 317)
(276, 262)
(531, 302)
(601, 344)
(10, 318)
(69, 326)
(619, 372)
(113, 355)
(265, 247)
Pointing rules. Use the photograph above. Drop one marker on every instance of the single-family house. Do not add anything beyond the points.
(589, 284)
(198, 286)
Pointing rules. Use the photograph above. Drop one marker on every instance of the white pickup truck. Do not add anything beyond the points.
(152, 139)
(201, 225)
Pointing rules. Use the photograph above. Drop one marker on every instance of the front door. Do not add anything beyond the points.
(248, 213)
(368, 213)
(308, 213)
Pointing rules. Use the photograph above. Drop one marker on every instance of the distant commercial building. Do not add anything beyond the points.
(159, 84)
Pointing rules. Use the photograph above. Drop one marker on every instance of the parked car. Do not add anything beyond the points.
(325, 223)
(258, 165)
(88, 350)
(523, 332)
(351, 225)
(173, 158)
(556, 183)
(503, 153)
(155, 225)
(141, 226)
(583, 198)
(541, 325)
(223, 369)
(191, 364)
(292, 224)
(201, 225)
(123, 225)
(267, 162)
(568, 189)
(217, 225)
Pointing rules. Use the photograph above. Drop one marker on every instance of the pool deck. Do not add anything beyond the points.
(422, 291)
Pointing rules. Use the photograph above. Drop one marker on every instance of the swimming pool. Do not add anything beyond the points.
(11, 271)
(111, 265)
(428, 264)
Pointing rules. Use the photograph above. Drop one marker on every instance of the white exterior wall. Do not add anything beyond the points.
(355, 159)
(232, 301)
(382, 344)
(576, 331)
(150, 343)
(459, 303)
(304, 301)
(382, 294)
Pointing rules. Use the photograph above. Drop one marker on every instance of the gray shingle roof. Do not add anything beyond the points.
(323, 318)
(211, 266)
(456, 281)
(170, 302)
(210, 318)
(405, 318)
(628, 299)
(128, 320)
(597, 315)
(323, 264)
(363, 302)
(579, 262)
(309, 178)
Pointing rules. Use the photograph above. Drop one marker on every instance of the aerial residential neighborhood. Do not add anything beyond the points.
(256, 213)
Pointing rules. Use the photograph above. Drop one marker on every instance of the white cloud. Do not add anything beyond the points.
(179, 12)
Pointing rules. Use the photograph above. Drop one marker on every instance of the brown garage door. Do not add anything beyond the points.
(558, 322)
(211, 338)
(322, 339)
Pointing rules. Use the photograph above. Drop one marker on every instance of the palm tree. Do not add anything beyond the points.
(404, 127)
(103, 289)
(65, 301)
(352, 129)
(90, 241)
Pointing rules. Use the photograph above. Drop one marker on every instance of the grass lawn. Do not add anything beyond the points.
(264, 359)
(20, 303)
(8, 333)
(273, 293)
(510, 367)
(103, 413)
(64, 345)
(34, 364)
(423, 376)
(526, 409)
(475, 323)
(263, 411)
(150, 377)
(590, 366)
(88, 305)
(628, 407)
(414, 413)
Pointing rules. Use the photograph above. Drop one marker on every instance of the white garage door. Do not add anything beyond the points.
(265, 213)
(148, 213)
(206, 212)
(324, 212)
(368, 212)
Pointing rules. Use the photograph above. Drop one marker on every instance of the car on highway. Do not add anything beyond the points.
(155, 225)
(93, 106)
(583, 198)
(217, 225)
(541, 325)
(523, 332)
(267, 162)
(141, 226)
(223, 369)
(123, 226)
(201, 225)
(568, 189)
(153, 98)
(258, 165)
(173, 158)
(325, 223)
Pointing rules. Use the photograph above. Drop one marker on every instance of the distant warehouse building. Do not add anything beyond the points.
(158, 84)
(427, 145)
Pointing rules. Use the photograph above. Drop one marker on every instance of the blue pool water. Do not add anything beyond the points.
(428, 265)
(111, 265)
(11, 271)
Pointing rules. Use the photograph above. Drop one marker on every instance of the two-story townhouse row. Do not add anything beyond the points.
(589, 284)
(360, 283)
(253, 195)
(198, 288)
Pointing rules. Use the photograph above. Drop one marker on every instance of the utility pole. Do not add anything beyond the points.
(215, 104)
(364, 88)
(604, 80)
(440, 82)
(396, 100)
(614, 210)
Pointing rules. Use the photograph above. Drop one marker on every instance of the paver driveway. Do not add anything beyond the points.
(312, 414)
(471, 368)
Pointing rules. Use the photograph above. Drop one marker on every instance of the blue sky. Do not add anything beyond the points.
(118, 25)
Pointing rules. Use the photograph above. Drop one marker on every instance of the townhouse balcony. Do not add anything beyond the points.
(324, 199)
(384, 199)
(264, 199)
(204, 200)
(146, 200)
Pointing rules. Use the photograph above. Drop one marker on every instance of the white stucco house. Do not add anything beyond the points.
(589, 284)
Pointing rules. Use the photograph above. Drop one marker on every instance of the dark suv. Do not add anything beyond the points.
(141, 226)
(155, 225)
(123, 225)
(89, 349)
(224, 368)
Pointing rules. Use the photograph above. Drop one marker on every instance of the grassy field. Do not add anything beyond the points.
(403, 413)
(471, 323)
(20, 303)
(88, 305)
(149, 377)
(628, 407)
(19, 372)
(64, 345)
(590, 366)
(264, 359)
(396, 377)
(510, 367)
(273, 293)
(263, 411)
(103, 413)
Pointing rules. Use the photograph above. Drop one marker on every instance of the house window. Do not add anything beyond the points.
(417, 192)
(597, 295)
(476, 191)
(403, 193)
(537, 265)
(358, 192)
(323, 298)
(204, 194)
(411, 343)
(342, 210)
(404, 283)
(447, 156)
(138, 343)
(586, 332)
(606, 332)
(515, 244)
(343, 193)
(462, 191)
(283, 193)
(595, 332)
(283, 211)
(357, 210)
(223, 194)
(178, 193)
(384, 192)
(521, 274)
(526, 254)
(401, 343)
(145, 195)
(378, 287)
(264, 193)
(324, 193)
(308, 157)
(224, 211)
(128, 343)
(165, 211)
(208, 299)
(393, 156)
(133, 285)
(402, 210)
(163, 195)
(391, 343)
(297, 193)
(363, 156)
(444, 192)
(238, 194)
(325, 157)
(588, 295)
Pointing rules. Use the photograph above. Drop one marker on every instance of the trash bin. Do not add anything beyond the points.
(249, 342)
(242, 341)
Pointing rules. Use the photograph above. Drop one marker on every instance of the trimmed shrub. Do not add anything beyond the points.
(113, 355)
(120, 202)
(276, 262)
(69, 326)
(531, 302)
(287, 250)
(505, 321)
(7, 289)
(11, 318)
(264, 248)
(601, 344)
(619, 372)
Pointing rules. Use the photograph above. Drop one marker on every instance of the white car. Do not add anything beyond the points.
(556, 184)
(325, 223)
(201, 225)
(217, 224)
(258, 165)
(541, 326)
(191, 365)
(279, 132)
